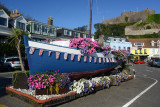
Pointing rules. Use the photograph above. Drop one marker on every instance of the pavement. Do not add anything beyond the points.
(143, 91)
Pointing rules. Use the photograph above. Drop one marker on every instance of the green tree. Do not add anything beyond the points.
(16, 40)
(83, 28)
(126, 19)
(4, 8)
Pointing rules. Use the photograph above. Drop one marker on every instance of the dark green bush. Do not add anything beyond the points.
(148, 27)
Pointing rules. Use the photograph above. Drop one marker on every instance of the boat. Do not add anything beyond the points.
(44, 57)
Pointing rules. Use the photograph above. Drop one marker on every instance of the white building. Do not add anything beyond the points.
(15, 20)
(117, 42)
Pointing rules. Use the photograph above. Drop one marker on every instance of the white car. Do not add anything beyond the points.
(12, 63)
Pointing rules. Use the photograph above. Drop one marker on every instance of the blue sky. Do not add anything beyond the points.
(75, 13)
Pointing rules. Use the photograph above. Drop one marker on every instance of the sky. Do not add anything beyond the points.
(76, 13)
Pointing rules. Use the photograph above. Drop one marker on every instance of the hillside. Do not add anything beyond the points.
(143, 24)
(132, 16)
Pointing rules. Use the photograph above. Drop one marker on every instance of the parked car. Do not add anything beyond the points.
(139, 62)
(150, 62)
(12, 63)
(158, 63)
(155, 62)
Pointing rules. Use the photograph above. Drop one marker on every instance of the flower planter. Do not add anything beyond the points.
(98, 87)
(62, 90)
(44, 91)
(41, 92)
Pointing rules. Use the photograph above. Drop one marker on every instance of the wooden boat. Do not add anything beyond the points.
(43, 57)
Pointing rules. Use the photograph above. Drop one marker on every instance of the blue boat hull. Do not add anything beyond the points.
(74, 68)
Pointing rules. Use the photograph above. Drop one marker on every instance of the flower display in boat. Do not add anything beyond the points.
(86, 45)
(121, 54)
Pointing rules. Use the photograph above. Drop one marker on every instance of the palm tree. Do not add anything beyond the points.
(17, 39)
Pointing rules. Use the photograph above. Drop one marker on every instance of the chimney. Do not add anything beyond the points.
(50, 21)
(14, 13)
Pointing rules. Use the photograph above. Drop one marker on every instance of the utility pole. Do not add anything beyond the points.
(90, 18)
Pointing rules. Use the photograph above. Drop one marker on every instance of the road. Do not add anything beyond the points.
(143, 91)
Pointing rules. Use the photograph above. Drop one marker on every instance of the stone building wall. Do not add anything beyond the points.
(129, 31)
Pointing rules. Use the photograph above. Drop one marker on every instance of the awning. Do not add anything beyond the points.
(140, 55)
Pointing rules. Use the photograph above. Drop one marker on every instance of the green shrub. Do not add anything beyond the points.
(154, 18)
(155, 35)
(10, 50)
(148, 27)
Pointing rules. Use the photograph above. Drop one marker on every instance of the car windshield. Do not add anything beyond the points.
(13, 59)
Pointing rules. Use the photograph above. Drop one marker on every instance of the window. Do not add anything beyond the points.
(51, 31)
(21, 25)
(65, 32)
(124, 48)
(88, 36)
(145, 51)
(152, 43)
(3, 21)
(158, 42)
(36, 27)
(114, 39)
(140, 51)
(139, 44)
(69, 33)
(78, 35)
(114, 47)
(136, 52)
(42, 28)
(128, 49)
(75, 34)
(119, 47)
(45, 30)
(84, 35)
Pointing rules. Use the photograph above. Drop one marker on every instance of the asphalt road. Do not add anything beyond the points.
(143, 91)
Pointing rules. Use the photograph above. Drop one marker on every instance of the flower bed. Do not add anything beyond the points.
(49, 83)
(76, 88)
(84, 86)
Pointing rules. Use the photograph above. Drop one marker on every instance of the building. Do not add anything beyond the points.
(40, 31)
(15, 20)
(116, 42)
(145, 48)
(66, 33)
(4, 30)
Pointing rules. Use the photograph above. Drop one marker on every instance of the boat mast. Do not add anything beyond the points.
(90, 18)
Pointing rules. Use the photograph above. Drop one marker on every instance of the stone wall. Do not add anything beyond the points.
(129, 31)
(133, 16)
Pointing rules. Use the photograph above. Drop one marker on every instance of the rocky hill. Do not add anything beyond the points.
(131, 16)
